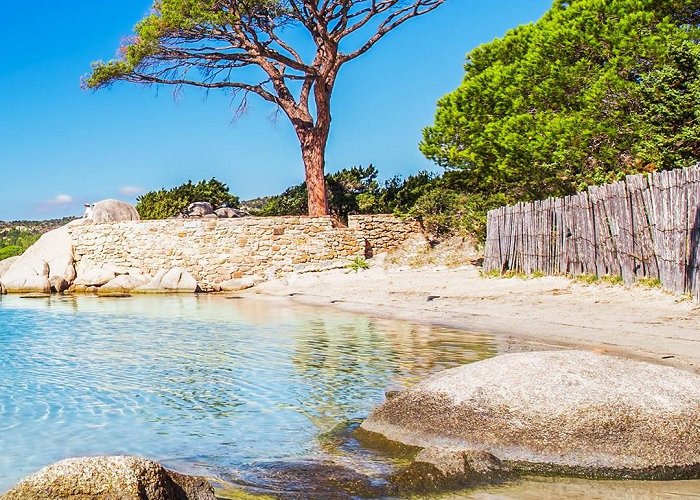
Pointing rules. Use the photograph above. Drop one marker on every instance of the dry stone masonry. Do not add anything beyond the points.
(202, 254)
(384, 232)
(218, 250)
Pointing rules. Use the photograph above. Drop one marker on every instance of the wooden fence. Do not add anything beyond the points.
(645, 226)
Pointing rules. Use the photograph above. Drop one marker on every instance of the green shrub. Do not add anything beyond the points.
(167, 203)
(11, 251)
(357, 264)
(445, 212)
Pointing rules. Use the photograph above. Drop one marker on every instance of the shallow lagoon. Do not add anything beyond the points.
(203, 384)
(223, 387)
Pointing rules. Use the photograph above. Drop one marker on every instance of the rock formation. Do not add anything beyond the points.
(6, 264)
(437, 469)
(51, 256)
(565, 412)
(174, 280)
(112, 211)
(123, 284)
(199, 209)
(109, 478)
(230, 213)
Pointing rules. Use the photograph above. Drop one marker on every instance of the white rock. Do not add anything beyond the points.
(562, 411)
(113, 211)
(124, 283)
(6, 264)
(179, 280)
(176, 280)
(236, 285)
(96, 276)
(51, 255)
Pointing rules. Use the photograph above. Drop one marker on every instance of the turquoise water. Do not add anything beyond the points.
(203, 384)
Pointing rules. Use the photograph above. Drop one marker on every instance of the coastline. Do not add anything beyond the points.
(636, 322)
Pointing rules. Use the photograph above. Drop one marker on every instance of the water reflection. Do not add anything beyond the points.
(197, 382)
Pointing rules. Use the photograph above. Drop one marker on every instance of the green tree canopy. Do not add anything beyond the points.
(594, 90)
(351, 190)
(166, 203)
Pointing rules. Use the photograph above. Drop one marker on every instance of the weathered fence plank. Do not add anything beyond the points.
(642, 227)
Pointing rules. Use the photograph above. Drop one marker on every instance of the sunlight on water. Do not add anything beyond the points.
(203, 384)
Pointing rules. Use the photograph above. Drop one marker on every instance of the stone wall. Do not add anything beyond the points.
(383, 232)
(216, 250)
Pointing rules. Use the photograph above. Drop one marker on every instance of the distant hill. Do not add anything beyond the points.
(16, 236)
(252, 206)
(34, 226)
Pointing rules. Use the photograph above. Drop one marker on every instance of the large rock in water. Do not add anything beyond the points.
(113, 211)
(51, 256)
(110, 478)
(436, 469)
(564, 412)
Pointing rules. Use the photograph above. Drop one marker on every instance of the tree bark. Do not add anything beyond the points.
(313, 149)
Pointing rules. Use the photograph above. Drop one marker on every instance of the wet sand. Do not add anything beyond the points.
(636, 322)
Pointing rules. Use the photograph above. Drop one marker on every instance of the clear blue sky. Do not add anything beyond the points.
(61, 146)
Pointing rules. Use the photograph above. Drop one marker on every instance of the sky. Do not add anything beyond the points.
(61, 146)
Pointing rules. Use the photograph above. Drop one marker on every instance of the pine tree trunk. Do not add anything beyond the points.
(313, 151)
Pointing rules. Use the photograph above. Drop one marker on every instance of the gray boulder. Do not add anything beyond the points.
(110, 478)
(436, 469)
(3, 290)
(112, 211)
(230, 213)
(199, 209)
(561, 412)
(175, 280)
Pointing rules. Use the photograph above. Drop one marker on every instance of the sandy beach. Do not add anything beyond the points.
(645, 323)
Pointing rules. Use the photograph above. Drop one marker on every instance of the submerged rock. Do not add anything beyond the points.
(567, 412)
(110, 478)
(313, 479)
(438, 469)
